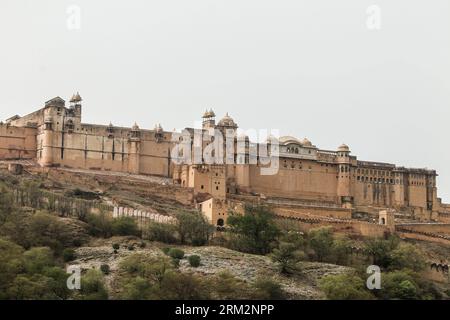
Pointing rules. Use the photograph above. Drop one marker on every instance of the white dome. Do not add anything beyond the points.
(135, 127)
(344, 147)
(306, 142)
(289, 139)
(227, 121)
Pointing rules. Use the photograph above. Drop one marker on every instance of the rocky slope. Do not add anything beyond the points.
(213, 260)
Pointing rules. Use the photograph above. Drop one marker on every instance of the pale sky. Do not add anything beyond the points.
(308, 68)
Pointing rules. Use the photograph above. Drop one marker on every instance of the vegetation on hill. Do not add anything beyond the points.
(41, 231)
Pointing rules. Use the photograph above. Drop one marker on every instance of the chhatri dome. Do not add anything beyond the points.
(76, 98)
(135, 127)
(343, 147)
(158, 127)
(209, 114)
(306, 142)
(227, 121)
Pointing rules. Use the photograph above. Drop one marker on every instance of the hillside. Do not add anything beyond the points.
(66, 210)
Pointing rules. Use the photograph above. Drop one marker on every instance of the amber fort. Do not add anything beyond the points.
(309, 181)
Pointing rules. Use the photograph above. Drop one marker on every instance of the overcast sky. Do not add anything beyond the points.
(308, 68)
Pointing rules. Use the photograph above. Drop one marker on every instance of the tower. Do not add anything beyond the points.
(159, 133)
(387, 218)
(242, 160)
(344, 175)
(75, 106)
(46, 158)
(209, 120)
(134, 149)
(52, 116)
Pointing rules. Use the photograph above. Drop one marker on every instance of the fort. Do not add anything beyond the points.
(332, 184)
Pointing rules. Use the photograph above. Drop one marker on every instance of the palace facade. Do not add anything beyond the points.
(54, 136)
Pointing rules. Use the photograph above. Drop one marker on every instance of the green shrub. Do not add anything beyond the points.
(77, 243)
(407, 256)
(125, 226)
(176, 253)
(194, 228)
(321, 242)
(68, 255)
(99, 225)
(166, 250)
(37, 259)
(194, 261)
(105, 268)
(254, 231)
(93, 286)
(161, 232)
(287, 257)
(344, 287)
(267, 289)
(116, 246)
(176, 262)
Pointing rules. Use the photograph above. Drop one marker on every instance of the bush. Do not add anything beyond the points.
(77, 243)
(182, 286)
(125, 226)
(194, 261)
(105, 268)
(380, 250)
(99, 225)
(226, 286)
(131, 247)
(82, 194)
(68, 255)
(161, 232)
(136, 288)
(321, 241)
(344, 287)
(142, 245)
(176, 262)
(92, 286)
(116, 246)
(166, 250)
(407, 256)
(37, 259)
(287, 257)
(267, 289)
(176, 253)
(193, 227)
(253, 232)
(49, 231)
